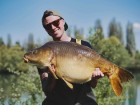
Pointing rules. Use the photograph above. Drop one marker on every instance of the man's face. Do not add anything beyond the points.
(54, 25)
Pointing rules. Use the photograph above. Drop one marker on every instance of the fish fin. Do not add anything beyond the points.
(68, 83)
(53, 73)
(119, 76)
(116, 84)
(124, 75)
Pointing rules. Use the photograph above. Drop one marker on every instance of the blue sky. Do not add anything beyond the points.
(19, 18)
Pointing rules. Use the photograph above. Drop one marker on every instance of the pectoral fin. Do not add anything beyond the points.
(68, 83)
(54, 75)
(53, 72)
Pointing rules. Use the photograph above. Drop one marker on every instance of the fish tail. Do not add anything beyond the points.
(119, 77)
(124, 75)
(116, 84)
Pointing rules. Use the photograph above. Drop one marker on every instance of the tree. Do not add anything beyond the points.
(1, 41)
(9, 41)
(130, 40)
(115, 29)
(30, 43)
(114, 51)
(18, 78)
(120, 33)
(78, 33)
(99, 29)
(95, 38)
(137, 59)
(17, 43)
(11, 59)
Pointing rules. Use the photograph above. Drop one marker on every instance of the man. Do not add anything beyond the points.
(56, 91)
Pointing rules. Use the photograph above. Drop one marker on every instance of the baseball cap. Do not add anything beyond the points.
(54, 13)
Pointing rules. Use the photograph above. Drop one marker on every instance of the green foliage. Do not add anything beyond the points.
(115, 29)
(30, 43)
(11, 59)
(24, 80)
(111, 49)
(9, 41)
(105, 95)
(130, 38)
(114, 51)
(24, 89)
(95, 38)
(120, 33)
(99, 29)
(1, 41)
(78, 33)
(136, 60)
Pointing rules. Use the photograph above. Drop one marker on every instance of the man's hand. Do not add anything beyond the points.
(95, 76)
(48, 82)
(44, 75)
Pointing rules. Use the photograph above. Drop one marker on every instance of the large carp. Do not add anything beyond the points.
(75, 63)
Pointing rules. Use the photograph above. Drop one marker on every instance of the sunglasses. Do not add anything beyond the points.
(54, 23)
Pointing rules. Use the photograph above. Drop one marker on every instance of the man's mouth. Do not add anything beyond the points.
(54, 31)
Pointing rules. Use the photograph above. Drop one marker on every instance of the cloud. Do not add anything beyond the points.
(136, 26)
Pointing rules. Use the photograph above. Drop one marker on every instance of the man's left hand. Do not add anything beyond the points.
(95, 76)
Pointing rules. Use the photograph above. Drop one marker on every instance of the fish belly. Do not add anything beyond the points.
(74, 70)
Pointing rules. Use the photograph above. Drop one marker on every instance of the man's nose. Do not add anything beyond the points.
(53, 26)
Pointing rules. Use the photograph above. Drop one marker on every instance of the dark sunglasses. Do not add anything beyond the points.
(55, 23)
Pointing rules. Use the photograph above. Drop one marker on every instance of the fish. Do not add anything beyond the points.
(75, 63)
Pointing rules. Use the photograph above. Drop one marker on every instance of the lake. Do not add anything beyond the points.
(134, 92)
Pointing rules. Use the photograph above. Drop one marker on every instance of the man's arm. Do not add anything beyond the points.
(47, 80)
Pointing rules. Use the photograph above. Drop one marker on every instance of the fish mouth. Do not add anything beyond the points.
(26, 60)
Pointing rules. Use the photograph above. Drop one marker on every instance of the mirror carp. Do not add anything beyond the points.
(75, 63)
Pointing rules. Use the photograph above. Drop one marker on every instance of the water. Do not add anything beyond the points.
(134, 92)
(138, 96)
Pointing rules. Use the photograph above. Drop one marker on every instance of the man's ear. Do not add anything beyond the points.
(63, 21)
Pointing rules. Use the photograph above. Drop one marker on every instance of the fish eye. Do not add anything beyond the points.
(34, 51)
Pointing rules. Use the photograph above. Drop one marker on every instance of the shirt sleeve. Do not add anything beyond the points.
(85, 43)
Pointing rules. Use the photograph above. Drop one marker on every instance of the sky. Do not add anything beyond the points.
(19, 18)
